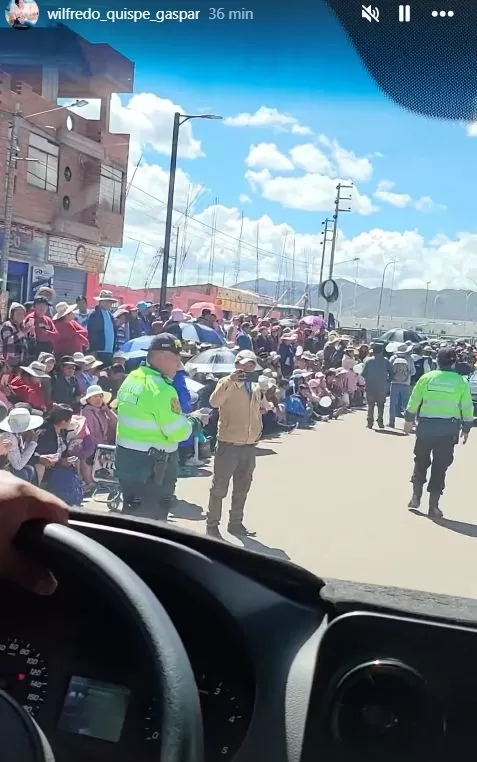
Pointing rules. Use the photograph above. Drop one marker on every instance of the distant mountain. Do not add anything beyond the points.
(363, 302)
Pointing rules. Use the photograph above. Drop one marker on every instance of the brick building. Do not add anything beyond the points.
(68, 202)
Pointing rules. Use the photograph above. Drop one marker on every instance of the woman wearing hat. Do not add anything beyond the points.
(101, 422)
(21, 433)
(26, 386)
(85, 375)
(71, 337)
(40, 328)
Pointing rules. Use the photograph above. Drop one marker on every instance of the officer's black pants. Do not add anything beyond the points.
(442, 451)
(143, 495)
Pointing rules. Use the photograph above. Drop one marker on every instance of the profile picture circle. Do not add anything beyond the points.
(22, 14)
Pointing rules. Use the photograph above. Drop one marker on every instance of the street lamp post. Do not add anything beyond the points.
(10, 184)
(427, 297)
(393, 262)
(179, 120)
(467, 297)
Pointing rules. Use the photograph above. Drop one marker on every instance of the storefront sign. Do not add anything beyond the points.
(26, 244)
(3, 305)
(41, 276)
(67, 252)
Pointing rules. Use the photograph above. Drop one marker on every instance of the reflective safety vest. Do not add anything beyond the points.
(442, 394)
(149, 413)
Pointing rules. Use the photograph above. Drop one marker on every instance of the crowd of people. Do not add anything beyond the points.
(64, 365)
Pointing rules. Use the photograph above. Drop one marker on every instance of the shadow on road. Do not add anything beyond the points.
(469, 530)
(259, 547)
(265, 451)
(187, 472)
(460, 527)
(182, 509)
(391, 432)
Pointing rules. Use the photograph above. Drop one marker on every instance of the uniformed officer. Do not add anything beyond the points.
(442, 402)
(150, 427)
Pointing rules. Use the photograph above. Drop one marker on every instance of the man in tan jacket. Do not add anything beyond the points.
(238, 399)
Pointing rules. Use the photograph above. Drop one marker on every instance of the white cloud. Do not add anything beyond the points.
(446, 262)
(244, 199)
(267, 155)
(270, 118)
(312, 192)
(300, 129)
(349, 164)
(471, 128)
(149, 120)
(387, 195)
(309, 157)
(357, 167)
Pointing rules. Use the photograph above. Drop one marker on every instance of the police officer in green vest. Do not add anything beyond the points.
(150, 427)
(442, 403)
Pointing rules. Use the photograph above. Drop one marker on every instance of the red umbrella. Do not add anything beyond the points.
(196, 309)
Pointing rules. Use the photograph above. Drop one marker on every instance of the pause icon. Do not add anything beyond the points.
(404, 13)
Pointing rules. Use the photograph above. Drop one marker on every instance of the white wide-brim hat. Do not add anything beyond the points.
(63, 309)
(20, 420)
(105, 296)
(93, 391)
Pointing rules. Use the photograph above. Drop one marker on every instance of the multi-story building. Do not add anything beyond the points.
(70, 172)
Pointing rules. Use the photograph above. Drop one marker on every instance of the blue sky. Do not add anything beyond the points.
(411, 201)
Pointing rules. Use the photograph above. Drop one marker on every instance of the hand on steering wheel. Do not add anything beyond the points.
(21, 502)
(181, 721)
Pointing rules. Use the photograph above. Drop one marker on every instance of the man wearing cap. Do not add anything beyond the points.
(82, 312)
(144, 315)
(238, 399)
(65, 387)
(150, 426)
(102, 329)
(49, 294)
(442, 402)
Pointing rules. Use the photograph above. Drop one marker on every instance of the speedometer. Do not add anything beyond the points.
(23, 673)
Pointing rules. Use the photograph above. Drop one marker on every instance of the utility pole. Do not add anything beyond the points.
(339, 199)
(9, 192)
(293, 287)
(128, 188)
(212, 242)
(257, 260)
(326, 229)
(238, 255)
(427, 297)
(170, 208)
(176, 254)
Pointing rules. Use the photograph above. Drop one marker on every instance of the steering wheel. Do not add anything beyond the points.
(181, 724)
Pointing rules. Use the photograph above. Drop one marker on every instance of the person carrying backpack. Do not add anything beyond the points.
(402, 370)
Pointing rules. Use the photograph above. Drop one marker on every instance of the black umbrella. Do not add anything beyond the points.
(400, 335)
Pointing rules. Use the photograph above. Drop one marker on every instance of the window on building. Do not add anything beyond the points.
(43, 170)
(110, 189)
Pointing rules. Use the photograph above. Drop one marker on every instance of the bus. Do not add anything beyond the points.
(283, 311)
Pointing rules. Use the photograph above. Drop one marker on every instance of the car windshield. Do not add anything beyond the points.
(239, 282)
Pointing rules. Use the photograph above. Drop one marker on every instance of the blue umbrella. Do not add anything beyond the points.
(208, 335)
(137, 348)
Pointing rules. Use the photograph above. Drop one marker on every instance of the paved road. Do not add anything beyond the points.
(334, 500)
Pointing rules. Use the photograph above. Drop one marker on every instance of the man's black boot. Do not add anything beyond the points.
(434, 510)
(415, 500)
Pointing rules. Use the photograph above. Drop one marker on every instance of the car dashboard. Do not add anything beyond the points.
(286, 670)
